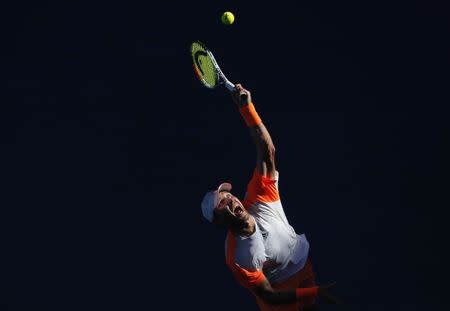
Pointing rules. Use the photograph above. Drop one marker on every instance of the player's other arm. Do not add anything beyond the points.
(265, 148)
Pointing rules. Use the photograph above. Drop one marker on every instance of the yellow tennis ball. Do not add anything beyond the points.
(227, 18)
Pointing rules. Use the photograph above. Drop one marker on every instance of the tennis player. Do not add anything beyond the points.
(263, 251)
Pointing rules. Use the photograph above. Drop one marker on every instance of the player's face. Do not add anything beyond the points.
(230, 210)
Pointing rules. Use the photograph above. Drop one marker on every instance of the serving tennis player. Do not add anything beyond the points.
(263, 252)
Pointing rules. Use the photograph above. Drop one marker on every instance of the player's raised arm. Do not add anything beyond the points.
(265, 148)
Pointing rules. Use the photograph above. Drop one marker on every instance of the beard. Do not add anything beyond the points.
(238, 223)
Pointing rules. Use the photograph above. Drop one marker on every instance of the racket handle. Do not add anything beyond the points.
(229, 86)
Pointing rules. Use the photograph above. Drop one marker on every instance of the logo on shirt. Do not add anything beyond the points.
(264, 234)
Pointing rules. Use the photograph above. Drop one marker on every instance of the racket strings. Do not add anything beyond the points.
(203, 65)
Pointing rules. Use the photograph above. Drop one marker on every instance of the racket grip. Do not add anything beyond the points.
(229, 86)
(244, 97)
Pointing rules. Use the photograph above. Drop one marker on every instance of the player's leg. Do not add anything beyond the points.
(307, 278)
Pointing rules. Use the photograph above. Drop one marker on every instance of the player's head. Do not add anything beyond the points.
(222, 207)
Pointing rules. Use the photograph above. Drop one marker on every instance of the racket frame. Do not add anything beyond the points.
(220, 77)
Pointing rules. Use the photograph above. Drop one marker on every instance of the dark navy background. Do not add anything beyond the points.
(109, 143)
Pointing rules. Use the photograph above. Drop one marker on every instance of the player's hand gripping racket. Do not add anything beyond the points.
(207, 69)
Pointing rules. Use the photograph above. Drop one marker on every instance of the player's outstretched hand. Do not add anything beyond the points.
(324, 292)
(241, 96)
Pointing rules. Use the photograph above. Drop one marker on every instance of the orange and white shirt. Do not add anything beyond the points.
(274, 251)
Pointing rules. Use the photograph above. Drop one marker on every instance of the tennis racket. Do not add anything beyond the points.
(207, 69)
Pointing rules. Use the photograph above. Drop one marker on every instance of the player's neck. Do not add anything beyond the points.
(247, 230)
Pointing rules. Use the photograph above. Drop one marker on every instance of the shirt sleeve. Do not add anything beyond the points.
(248, 277)
(262, 189)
